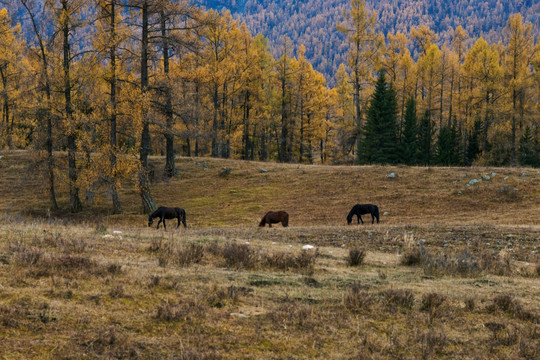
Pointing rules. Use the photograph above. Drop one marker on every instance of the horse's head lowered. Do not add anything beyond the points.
(150, 220)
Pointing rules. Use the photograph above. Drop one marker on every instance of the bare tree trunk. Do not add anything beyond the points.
(170, 167)
(74, 199)
(113, 143)
(49, 127)
(144, 183)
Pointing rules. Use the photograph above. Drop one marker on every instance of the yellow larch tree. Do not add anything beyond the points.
(483, 71)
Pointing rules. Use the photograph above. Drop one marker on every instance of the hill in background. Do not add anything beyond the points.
(313, 22)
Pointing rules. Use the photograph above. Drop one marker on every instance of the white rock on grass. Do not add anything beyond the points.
(239, 315)
(307, 247)
(391, 176)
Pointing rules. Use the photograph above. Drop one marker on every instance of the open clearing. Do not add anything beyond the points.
(452, 271)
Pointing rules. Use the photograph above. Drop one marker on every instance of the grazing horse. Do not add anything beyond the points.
(168, 213)
(361, 209)
(274, 217)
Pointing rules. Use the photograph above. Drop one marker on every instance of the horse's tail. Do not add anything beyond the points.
(376, 213)
(285, 222)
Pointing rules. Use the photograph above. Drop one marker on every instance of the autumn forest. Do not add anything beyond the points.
(109, 83)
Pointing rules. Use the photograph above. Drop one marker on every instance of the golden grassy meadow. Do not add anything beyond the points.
(452, 271)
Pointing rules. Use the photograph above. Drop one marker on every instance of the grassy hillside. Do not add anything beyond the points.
(313, 195)
(451, 271)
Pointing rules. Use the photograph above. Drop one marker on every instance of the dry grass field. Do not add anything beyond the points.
(451, 271)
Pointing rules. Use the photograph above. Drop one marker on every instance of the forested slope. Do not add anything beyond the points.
(313, 22)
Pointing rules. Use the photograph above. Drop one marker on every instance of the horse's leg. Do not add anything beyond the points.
(164, 226)
(177, 226)
(372, 219)
(360, 217)
(159, 222)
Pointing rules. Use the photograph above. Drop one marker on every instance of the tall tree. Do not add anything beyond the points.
(484, 71)
(380, 143)
(284, 73)
(409, 143)
(145, 10)
(474, 142)
(399, 67)
(42, 41)
(364, 53)
(519, 53)
(529, 148)
(68, 14)
(425, 139)
(108, 45)
(10, 72)
(345, 118)
(447, 147)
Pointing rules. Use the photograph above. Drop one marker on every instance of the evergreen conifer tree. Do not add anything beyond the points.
(425, 139)
(380, 131)
(409, 142)
(473, 146)
(529, 149)
(447, 146)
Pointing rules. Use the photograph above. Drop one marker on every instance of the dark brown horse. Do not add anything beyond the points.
(274, 217)
(168, 213)
(361, 209)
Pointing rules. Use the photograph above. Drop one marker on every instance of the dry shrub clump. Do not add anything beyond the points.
(432, 342)
(27, 313)
(397, 298)
(238, 256)
(413, 256)
(356, 257)
(464, 263)
(218, 297)
(508, 304)
(183, 255)
(432, 303)
(295, 314)
(42, 264)
(285, 261)
(169, 311)
(242, 256)
(358, 298)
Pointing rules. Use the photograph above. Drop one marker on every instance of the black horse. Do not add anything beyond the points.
(168, 213)
(361, 209)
